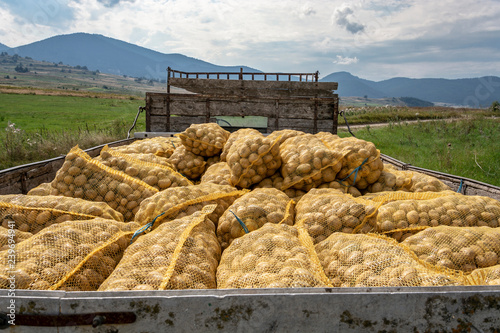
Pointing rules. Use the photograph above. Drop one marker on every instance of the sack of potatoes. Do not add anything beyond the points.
(83, 177)
(327, 138)
(376, 261)
(431, 209)
(361, 165)
(307, 162)
(177, 202)
(9, 236)
(42, 189)
(276, 181)
(459, 248)
(158, 176)
(282, 135)
(253, 158)
(181, 254)
(204, 139)
(71, 256)
(67, 204)
(251, 211)
(484, 276)
(342, 188)
(218, 173)
(33, 219)
(326, 211)
(242, 132)
(413, 181)
(160, 146)
(187, 164)
(274, 256)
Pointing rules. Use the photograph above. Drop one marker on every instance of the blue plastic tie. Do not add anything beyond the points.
(146, 227)
(460, 187)
(355, 171)
(241, 222)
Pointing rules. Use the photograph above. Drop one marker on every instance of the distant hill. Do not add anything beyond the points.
(109, 55)
(3, 47)
(475, 92)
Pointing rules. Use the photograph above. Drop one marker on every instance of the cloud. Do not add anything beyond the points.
(341, 18)
(345, 60)
(112, 3)
(50, 13)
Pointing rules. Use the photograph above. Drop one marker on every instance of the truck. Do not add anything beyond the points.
(267, 102)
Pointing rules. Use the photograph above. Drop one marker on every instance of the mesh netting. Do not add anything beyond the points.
(67, 204)
(251, 211)
(10, 236)
(72, 256)
(274, 256)
(344, 189)
(459, 248)
(42, 189)
(83, 177)
(218, 173)
(178, 202)
(235, 136)
(34, 219)
(204, 139)
(149, 157)
(484, 276)
(327, 137)
(325, 211)
(282, 135)
(181, 254)
(414, 181)
(160, 146)
(212, 160)
(253, 158)
(307, 162)
(376, 261)
(188, 164)
(431, 209)
(276, 181)
(155, 175)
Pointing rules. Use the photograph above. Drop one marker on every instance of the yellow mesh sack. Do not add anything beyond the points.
(274, 256)
(204, 139)
(42, 189)
(361, 165)
(253, 158)
(12, 236)
(178, 202)
(181, 254)
(71, 256)
(73, 205)
(390, 181)
(251, 211)
(242, 132)
(83, 177)
(325, 211)
(149, 157)
(414, 181)
(327, 137)
(35, 219)
(188, 164)
(158, 176)
(212, 160)
(459, 248)
(160, 146)
(276, 181)
(431, 209)
(282, 135)
(484, 276)
(377, 261)
(344, 189)
(218, 173)
(307, 162)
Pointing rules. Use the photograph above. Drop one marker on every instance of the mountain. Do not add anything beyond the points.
(109, 55)
(3, 47)
(474, 92)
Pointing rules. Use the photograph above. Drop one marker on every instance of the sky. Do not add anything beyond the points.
(372, 39)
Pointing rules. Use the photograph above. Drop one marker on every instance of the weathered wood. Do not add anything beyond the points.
(255, 88)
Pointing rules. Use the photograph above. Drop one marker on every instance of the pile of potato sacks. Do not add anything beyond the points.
(212, 209)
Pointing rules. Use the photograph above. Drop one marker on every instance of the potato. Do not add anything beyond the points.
(376, 261)
(251, 159)
(325, 211)
(155, 175)
(274, 256)
(204, 139)
(233, 137)
(159, 146)
(188, 164)
(254, 209)
(97, 182)
(181, 254)
(282, 135)
(49, 259)
(218, 173)
(16, 236)
(182, 201)
(307, 163)
(459, 248)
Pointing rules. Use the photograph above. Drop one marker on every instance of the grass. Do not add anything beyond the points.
(468, 148)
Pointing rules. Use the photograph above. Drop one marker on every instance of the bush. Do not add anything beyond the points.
(495, 106)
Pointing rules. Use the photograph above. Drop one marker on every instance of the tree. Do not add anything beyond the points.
(20, 69)
(495, 106)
